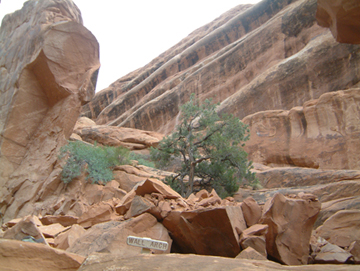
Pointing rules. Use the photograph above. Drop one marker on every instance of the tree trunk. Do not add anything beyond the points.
(191, 179)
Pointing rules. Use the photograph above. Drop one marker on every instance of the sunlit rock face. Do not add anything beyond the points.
(48, 64)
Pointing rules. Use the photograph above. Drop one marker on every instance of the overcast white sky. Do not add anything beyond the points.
(133, 32)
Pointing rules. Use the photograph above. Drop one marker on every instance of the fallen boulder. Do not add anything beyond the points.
(290, 222)
(251, 211)
(342, 228)
(333, 254)
(67, 238)
(18, 255)
(26, 228)
(210, 231)
(111, 236)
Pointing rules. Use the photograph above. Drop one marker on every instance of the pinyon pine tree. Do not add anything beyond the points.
(211, 150)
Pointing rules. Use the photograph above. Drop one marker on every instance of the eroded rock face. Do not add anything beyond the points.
(45, 79)
(250, 63)
(342, 17)
(321, 134)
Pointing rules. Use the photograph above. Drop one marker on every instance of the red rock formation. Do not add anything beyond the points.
(342, 17)
(249, 64)
(44, 81)
(321, 134)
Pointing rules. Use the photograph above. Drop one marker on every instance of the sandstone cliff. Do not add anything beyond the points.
(266, 57)
(269, 64)
(48, 67)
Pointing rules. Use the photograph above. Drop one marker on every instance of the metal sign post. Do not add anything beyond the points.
(146, 244)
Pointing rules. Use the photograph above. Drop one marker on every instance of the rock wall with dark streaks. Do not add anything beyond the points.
(269, 56)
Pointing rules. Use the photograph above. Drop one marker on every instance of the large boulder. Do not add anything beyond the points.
(342, 228)
(28, 227)
(68, 238)
(290, 222)
(342, 17)
(49, 65)
(111, 236)
(130, 138)
(18, 255)
(209, 231)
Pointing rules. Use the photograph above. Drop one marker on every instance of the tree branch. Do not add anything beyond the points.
(209, 135)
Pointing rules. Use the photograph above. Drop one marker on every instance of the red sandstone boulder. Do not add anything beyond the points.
(251, 254)
(342, 17)
(251, 211)
(111, 236)
(254, 237)
(25, 229)
(141, 189)
(63, 220)
(83, 122)
(209, 231)
(290, 222)
(342, 228)
(18, 255)
(155, 186)
(133, 139)
(128, 176)
(68, 238)
(50, 231)
(139, 205)
(354, 249)
(333, 254)
(98, 213)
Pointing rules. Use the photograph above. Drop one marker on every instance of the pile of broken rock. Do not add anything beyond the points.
(280, 230)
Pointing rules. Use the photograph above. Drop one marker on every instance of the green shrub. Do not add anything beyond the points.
(95, 160)
(142, 159)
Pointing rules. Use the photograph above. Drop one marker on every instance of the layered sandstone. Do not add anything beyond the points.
(45, 79)
(323, 133)
(265, 58)
(271, 65)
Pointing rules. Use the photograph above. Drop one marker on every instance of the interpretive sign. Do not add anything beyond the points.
(147, 243)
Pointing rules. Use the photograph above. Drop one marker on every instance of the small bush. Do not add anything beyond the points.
(96, 161)
(142, 159)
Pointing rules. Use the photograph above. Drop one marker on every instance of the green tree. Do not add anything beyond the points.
(211, 150)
